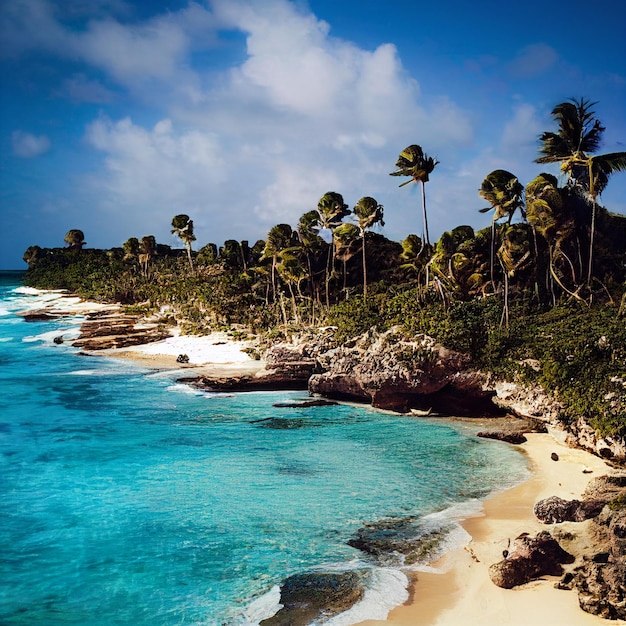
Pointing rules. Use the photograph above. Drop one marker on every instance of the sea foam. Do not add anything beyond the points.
(387, 589)
(261, 608)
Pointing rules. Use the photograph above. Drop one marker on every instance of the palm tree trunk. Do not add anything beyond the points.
(425, 216)
(591, 238)
(188, 246)
(364, 273)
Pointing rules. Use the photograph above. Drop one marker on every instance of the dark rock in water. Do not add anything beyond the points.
(316, 596)
(263, 381)
(515, 438)
(58, 340)
(305, 403)
(555, 510)
(530, 558)
(279, 423)
(391, 539)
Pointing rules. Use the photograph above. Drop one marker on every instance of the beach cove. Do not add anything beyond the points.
(455, 596)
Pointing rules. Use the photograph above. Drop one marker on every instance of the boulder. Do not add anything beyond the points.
(555, 510)
(316, 596)
(508, 437)
(530, 558)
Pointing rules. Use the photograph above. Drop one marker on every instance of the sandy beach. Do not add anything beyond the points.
(214, 355)
(462, 592)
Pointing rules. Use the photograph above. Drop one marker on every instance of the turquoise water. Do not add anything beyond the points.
(127, 498)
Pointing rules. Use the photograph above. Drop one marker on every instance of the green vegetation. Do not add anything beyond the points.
(541, 300)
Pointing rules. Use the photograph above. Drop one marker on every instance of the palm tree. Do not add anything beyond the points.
(345, 242)
(278, 239)
(331, 210)
(75, 239)
(555, 225)
(312, 245)
(415, 163)
(369, 213)
(578, 137)
(505, 195)
(147, 247)
(182, 227)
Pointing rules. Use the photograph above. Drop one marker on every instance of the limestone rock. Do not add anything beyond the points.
(395, 372)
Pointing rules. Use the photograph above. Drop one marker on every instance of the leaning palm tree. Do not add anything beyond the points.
(278, 239)
(331, 210)
(415, 163)
(505, 195)
(578, 137)
(182, 227)
(369, 213)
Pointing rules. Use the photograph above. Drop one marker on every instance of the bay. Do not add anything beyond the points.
(128, 498)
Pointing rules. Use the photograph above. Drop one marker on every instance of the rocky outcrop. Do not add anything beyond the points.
(102, 330)
(601, 578)
(526, 401)
(580, 434)
(508, 437)
(555, 510)
(398, 373)
(313, 597)
(530, 558)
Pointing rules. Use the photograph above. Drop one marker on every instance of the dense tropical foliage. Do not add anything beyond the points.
(548, 288)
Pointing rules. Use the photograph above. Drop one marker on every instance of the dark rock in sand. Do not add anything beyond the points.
(554, 456)
(555, 510)
(530, 558)
(316, 596)
(509, 437)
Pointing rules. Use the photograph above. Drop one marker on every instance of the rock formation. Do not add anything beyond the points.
(530, 558)
(398, 373)
(555, 510)
(107, 329)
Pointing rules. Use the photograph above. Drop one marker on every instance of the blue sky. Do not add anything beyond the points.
(116, 115)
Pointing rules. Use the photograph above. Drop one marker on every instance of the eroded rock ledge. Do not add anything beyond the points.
(394, 372)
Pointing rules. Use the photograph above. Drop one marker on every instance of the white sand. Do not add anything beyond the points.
(56, 301)
(217, 347)
(463, 594)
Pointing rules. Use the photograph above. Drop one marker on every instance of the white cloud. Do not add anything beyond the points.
(534, 60)
(28, 146)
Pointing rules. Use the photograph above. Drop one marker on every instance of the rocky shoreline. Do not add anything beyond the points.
(393, 372)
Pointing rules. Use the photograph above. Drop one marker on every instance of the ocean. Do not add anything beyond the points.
(129, 498)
